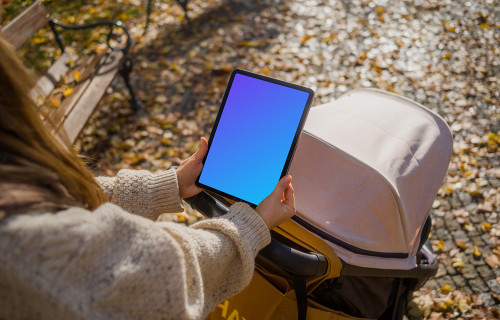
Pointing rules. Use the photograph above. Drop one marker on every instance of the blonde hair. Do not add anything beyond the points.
(29, 153)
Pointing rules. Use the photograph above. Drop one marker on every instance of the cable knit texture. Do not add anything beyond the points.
(110, 264)
(143, 193)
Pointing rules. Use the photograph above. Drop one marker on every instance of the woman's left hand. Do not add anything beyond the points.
(189, 170)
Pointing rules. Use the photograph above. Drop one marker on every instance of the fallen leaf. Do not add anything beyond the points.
(67, 91)
(492, 260)
(76, 76)
(161, 98)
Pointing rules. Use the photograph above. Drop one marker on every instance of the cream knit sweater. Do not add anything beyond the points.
(110, 264)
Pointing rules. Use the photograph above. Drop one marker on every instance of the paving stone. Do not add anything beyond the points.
(494, 286)
(445, 205)
(465, 198)
(469, 272)
(449, 244)
(437, 223)
(455, 202)
(477, 241)
(446, 280)
(477, 262)
(460, 235)
(486, 273)
(459, 281)
(450, 270)
(452, 225)
(471, 207)
(473, 233)
(467, 291)
(432, 284)
(442, 234)
(476, 218)
(494, 182)
(488, 300)
(486, 238)
(478, 286)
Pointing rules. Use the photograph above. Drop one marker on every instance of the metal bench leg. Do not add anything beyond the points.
(125, 73)
(183, 4)
(147, 17)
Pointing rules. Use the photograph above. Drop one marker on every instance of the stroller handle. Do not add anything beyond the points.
(296, 262)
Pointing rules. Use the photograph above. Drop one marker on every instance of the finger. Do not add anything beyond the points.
(202, 151)
(289, 195)
(282, 185)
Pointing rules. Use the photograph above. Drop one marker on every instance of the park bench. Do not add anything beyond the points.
(95, 72)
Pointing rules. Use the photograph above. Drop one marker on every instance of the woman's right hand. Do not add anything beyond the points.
(279, 206)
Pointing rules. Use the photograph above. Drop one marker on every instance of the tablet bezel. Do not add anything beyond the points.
(293, 146)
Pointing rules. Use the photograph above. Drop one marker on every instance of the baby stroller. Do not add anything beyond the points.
(365, 172)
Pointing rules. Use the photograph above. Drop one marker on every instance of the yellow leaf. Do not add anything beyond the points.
(71, 63)
(55, 103)
(266, 71)
(330, 37)
(457, 263)
(305, 38)
(462, 244)
(476, 252)
(137, 159)
(446, 56)
(485, 226)
(37, 40)
(484, 26)
(248, 44)
(166, 141)
(445, 289)
(197, 215)
(67, 91)
(76, 75)
(181, 217)
(463, 305)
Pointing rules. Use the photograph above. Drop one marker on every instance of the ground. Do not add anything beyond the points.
(442, 54)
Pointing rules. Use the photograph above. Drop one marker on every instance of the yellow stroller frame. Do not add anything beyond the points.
(366, 170)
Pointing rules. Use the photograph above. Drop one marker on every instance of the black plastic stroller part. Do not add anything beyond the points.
(388, 291)
(290, 259)
(294, 261)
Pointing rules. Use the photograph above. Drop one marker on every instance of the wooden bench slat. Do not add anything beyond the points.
(86, 65)
(46, 83)
(85, 105)
(25, 25)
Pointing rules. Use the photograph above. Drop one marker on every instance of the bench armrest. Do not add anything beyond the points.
(112, 35)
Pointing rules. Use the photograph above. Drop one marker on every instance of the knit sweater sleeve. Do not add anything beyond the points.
(113, 265)
(142, 192)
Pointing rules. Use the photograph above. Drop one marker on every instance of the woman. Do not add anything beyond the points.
(72, 246)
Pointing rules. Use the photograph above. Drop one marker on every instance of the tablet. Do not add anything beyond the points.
(254, 136)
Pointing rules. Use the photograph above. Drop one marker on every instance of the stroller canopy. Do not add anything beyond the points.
(366, 171)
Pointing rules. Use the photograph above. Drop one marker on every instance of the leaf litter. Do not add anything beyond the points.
(442, 54)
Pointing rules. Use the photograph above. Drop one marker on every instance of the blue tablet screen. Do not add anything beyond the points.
(251, 143)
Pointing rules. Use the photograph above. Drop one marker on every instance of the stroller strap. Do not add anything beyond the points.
(299, 283)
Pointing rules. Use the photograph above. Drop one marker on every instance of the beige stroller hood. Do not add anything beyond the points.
(366, 171)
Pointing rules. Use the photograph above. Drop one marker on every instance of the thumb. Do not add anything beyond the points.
(282, 185)
(200, 153)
